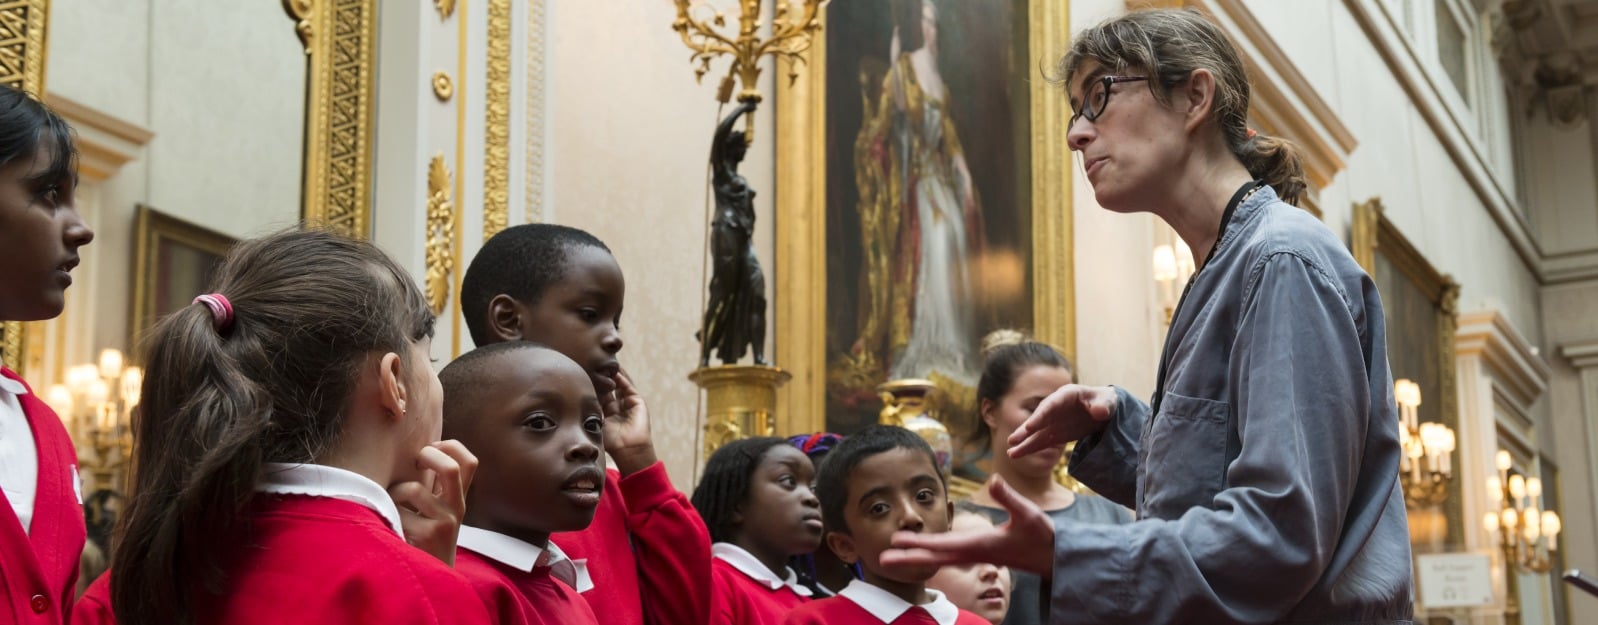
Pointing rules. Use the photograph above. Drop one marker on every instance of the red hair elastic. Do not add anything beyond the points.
(221, 309)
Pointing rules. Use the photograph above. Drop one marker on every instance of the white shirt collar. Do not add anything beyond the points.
(524, 556)
(15, 387)
(318, 480)
(886, 606)
(748, 564)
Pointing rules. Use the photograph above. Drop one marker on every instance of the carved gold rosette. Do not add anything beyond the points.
(741, 401)
(440, 257)
(340, 40)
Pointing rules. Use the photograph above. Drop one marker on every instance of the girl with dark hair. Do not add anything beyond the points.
(757, 501)
(286, 447)
(821, 571)
(1017, 374)
(41, 509)
(1264, 472)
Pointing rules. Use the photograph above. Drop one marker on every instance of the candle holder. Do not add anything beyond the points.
(1427, 465)
(97, 404)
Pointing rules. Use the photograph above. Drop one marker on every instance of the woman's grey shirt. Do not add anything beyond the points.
(1267, 487)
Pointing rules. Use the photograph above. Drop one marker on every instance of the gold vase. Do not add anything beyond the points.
(908, 404)
(740, 401)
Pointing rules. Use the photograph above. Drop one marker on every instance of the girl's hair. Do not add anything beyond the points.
(816, 447)
(725, 483)
(1170, 44)
(26, 125)
(1006, 354)
(219, 400)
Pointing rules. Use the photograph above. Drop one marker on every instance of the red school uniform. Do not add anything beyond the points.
(94, 607)
(39, 563)
(746, 592)
(326, 547)
(647, 551)
(863, 604)
(520, 583)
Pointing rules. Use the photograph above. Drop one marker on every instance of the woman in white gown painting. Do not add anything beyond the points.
(941, 222)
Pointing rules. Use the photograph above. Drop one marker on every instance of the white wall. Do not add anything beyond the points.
(629, 138)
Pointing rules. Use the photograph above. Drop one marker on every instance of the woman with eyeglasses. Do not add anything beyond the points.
(1264, 469)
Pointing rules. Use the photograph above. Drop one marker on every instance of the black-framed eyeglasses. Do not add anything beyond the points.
(1097, 97)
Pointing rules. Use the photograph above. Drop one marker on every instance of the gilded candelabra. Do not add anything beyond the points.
(792, 28)
(1528, 536)
(97, 405)
(1427, 465)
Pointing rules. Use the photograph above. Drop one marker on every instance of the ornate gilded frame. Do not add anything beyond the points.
(153, 229)
(1372, 234)
(23, 34)
(340, 38)
(801, 303)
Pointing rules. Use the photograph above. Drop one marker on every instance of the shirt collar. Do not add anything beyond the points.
(318, 480)
(9, 385)
(524, 556)
(887, 607)
(751, 566)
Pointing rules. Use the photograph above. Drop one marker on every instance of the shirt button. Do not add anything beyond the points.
(40, 604)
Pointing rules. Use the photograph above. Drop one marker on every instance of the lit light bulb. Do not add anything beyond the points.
(132, 384)
(110, 364)
(59, 398)
(1551, 527)
(1517, 486)
(1504, 461)
(1489, 521)
(1495, 491)
(1508, 519)
(1534, 487)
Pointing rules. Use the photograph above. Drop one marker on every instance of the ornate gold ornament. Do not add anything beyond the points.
(496, 121)
(440, 257)
(339, 38)
(792, 30)
(443, 87)
(445, 8)
(740, 401)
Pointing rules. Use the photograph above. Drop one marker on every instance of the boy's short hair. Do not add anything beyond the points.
(462, 379)
(521, 261)
(832, 480)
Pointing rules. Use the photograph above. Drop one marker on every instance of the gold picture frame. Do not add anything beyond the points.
(800, 304)
(340, 39)
(24, 28)
(1421, 309)
(173, 261)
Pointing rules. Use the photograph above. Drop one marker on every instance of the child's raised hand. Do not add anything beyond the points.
(431, 508)
(627, 437)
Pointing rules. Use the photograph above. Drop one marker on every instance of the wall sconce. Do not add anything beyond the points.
(1173, 265)
(96, 404)
(1528, 536)
(1427, 463)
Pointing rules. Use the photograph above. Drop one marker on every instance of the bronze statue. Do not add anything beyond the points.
(735, 318)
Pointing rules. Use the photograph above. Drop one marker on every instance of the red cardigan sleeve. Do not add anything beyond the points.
(673, 549)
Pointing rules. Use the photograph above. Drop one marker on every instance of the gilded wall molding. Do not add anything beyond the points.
(440, 256)
(23, 29)
(445, 8)
(536, 19)
(496, 121)
(340, 38)
(443, 87)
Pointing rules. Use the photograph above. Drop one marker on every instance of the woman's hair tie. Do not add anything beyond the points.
(221, 310)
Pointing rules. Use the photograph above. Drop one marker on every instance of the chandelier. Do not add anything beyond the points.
(1528, 536)
(96, 404)
(1427, 464)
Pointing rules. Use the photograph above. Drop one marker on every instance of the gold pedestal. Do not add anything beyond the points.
(740, 401)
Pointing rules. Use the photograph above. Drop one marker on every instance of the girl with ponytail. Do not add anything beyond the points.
(286, 448)
(1264, 469)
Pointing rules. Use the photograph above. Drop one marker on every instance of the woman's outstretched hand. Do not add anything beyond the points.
(1068, 414)
(1026, 542)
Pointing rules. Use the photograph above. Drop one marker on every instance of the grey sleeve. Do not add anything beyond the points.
(1107, 461)
(1301, 404)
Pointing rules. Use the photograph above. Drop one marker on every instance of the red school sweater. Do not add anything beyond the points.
(316, 560)
(647, 552)
(39, 568)
(738, 599)
(516, 597)
(842, 611)
(94, 607)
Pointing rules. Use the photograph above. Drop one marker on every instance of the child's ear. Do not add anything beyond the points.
(391, 385)
(505, 318)
(948, 513)
(842, 545)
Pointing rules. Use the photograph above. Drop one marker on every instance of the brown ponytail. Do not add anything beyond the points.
(1170, 44)
(219, 401)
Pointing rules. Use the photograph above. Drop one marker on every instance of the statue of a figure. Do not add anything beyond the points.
(735, 318)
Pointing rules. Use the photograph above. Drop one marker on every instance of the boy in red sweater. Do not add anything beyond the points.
(41, 508)
(647, 551)
(534, 420)
(882, 480)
